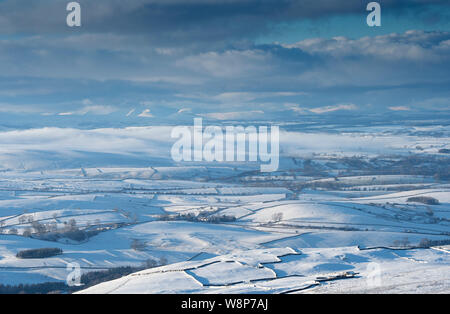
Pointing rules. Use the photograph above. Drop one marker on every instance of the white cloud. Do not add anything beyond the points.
(440, 103)
(184, 110)
(92, 109)
(228, 64)
(400, 108)
(13, 108)
(412, 45)
(146, 114)
(319, 110)
(327, 109)
(108, 140)
(233, 115)
(251, 96)
(296, 108)
(87, 102)
(48, 147)
(130, 112)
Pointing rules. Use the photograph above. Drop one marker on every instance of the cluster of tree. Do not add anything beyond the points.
(422, 165)
(51, 232)
(42, 288)
(277, 217)
(426, 243)
(424, 200)
(201, 217)
(217, 219)
(442, 175)
(343, 228)
(402, 242)
(327, 185)
(88, 279)
(138, 245)
(39, 253)
(94, 278)
(39, 228)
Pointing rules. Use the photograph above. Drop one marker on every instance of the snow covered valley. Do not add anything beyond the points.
(336, 222)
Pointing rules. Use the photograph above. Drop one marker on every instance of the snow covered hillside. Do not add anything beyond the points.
(335, 270)
(321, 223)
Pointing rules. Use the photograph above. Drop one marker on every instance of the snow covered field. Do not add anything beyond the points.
(338, 221)
(336, 270)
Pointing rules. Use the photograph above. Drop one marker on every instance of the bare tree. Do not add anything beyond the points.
(38, 227)
(163, 261)
(138, 245)
(277, 217)
(13, 231)
(27, 232)
(404, 242)
(72, 225)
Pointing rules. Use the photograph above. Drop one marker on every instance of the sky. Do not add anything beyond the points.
(151, 61)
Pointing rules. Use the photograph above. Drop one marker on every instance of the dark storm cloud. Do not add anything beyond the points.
(172, 55)
(180, 20)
